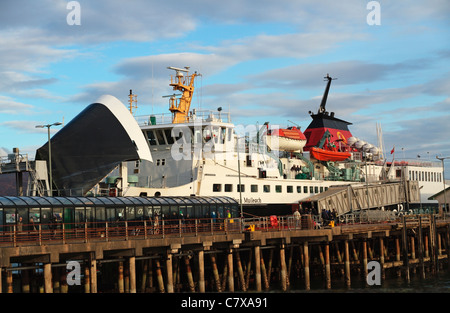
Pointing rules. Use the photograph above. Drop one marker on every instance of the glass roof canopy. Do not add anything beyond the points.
(26, 202)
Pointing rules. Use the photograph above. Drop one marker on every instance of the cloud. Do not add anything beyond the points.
(9, 106)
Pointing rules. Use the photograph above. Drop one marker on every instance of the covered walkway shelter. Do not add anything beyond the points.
(52, 211)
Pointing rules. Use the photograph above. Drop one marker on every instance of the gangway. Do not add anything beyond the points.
(357, 197)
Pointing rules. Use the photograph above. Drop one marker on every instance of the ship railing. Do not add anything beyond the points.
(194, 116)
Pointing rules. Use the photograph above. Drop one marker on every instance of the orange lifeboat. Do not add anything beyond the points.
(328, 155)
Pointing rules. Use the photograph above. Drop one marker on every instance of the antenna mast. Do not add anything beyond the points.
(325, 94)
(180, 107)
(132, 101)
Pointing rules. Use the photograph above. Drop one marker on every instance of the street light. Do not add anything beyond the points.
(443, 179)
(49, 152)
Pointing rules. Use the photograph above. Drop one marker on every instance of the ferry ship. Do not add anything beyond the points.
(265, 167)
(189, 152)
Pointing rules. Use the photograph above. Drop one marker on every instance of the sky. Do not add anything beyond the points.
(262, 60)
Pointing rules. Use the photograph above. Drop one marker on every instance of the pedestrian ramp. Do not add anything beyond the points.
(356, 197)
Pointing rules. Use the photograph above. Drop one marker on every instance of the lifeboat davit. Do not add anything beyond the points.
(286, 139)
(328, 155)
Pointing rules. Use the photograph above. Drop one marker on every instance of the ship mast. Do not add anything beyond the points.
(325, 94)
(132, 101)
(180, 106)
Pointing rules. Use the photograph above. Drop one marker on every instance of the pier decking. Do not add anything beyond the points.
(214, 255)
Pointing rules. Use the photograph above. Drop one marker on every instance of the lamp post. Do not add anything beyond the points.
(239, 175)
(49, 152)
(443, 180)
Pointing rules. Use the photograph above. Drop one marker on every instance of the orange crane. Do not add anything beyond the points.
(180, 104)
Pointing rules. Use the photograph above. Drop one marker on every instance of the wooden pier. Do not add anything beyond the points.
(219, 255)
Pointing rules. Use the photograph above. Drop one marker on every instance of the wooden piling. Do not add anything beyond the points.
(9, 282)
(382, 255)
(87, 281)
(215, 273)
(364, 254)
(405, 250)
(159, 276)
(248, 269)
(25, 281)
(327, 266)
(201, 271)
(283, 268)
(63, 282)
(48, 286)
(126, 277)
(306, 265)
(421, 248)
(257, 268)
(144, 266)
(120, 282)
(240, 271)
(189, 276)
(169, 273)
(230, 274)
(132, 271)
(150, 274)
(94, 287)
(447, 246)
(347, 264)
(264, 273)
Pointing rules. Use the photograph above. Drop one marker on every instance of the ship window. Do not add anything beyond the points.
(228, 187)
(290, 189)
(160, 137)
(169, 137)
(217, 187)
(197, 135)
(151, 138)
(311, 189)
(241, 188)
(305, 189)
(254, 188)
(316, 189)
(321, 189)
(266, 188)
(230, 134)
(278, 188)
(299, 189)
(207, 134)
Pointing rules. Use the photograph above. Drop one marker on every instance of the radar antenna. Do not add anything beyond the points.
(180, 106)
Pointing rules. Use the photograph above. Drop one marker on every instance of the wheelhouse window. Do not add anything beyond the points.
(169, 137)
(151, 138)
(266, 188)
(160, 137)
(254, 188)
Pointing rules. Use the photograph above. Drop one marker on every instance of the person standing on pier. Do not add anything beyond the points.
(297, 219)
